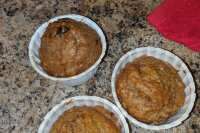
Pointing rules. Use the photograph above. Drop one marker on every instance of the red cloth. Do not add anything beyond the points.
(178, 20)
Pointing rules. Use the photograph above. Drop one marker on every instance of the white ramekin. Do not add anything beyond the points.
(35, 42)
(80, 101)
(184, 73)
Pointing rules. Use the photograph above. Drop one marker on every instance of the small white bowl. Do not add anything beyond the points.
(35, 42)
(184, 73)
(80, 101)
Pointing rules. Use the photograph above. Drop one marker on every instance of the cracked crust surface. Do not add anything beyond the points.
(150, 89)
(86, 120)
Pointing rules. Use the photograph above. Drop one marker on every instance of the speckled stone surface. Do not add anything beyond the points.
(25, 96)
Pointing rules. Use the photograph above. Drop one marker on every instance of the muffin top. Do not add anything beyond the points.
(68, 47)
(86, 120)
(150, 90)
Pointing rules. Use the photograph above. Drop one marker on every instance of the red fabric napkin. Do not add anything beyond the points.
(178, 20)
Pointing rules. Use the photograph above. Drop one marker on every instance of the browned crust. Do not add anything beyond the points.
(86, 120)
(150, 90)
(68, 48)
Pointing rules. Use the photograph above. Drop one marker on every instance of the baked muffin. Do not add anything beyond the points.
(150, 90)
(86, 120)
(69, 47)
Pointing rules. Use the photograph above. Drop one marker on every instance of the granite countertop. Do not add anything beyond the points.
(25, 96)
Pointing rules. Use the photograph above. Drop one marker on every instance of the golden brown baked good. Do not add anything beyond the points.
(86, 120)
(150, 89)
(69, 47)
